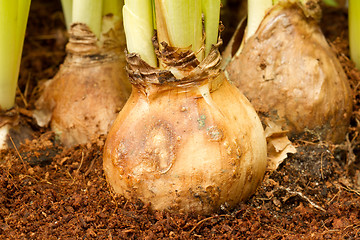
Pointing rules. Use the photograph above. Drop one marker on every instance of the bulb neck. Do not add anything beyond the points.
(84, 48)
(180, 70)
(82, 40)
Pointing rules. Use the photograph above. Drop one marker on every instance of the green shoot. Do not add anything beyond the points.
(113, 7)
(256, 12)
(179, 23)
(354, 31)
(13, 19)
(154, 13)
(108, 7)
(67, 10)
(211, 11)
(88, 12)
(139, 29)
(331, 3)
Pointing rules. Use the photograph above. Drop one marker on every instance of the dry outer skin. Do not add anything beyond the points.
(183, 150)
(290, 74)
(85, 96)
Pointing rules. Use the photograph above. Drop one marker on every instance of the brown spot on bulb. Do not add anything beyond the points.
(183, 109)
(215, 134)
(249, 174)
(160, 144)
(120, 155)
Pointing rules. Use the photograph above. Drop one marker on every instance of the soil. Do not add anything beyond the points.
(51, 192)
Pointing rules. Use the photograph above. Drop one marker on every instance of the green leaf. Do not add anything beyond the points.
(139, 29)
(332, 3)
(13, 19)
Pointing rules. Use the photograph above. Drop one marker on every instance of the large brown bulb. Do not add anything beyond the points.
(290, 74)
(84, 98)
(189, 145)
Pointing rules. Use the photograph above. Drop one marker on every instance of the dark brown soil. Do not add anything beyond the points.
(49, 192)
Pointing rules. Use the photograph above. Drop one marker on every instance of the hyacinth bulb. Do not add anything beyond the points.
(84, 98)
(190, 144)
(291, 75)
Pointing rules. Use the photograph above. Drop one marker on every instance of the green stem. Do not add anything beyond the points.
(112, 6)
(13, 19)
(139, 29)
(256, 12)
(67, 10)
(179, 23)
(331, 3)
(354, 31)
(88, 12)
(154, 14)
(211, 9)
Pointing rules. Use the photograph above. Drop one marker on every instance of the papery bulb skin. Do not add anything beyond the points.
(290, 74)
(188, 148)
(83, 99)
